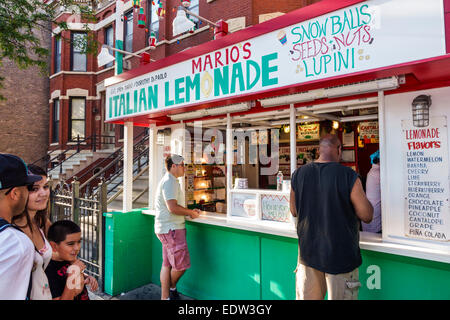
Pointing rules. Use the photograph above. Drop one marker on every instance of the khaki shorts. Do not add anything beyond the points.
(312, 284)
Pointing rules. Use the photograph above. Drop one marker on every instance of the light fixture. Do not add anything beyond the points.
(286, 129)
(333, 92)
(421, 110)
(359, 118)
(211, 112)
(105, 57)
(335, 125)
(181, 23)
(287, 121)
(363, 87)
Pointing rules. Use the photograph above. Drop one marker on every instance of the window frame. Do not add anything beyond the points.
(56, 110)
(72, 52)
(58, 54)
(111, 52)
(71, 120)
(192, 8)
(125, 30)
(150, 22)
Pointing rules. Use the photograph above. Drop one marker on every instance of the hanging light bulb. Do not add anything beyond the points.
(335, 125)
(287, 129)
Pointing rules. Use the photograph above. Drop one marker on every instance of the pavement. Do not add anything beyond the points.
(147, 292)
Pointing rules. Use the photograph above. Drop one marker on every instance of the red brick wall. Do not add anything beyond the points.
(214, 11)
(24, 116)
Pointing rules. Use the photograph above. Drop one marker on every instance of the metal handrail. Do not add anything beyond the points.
(134, 179)
(120, 171)
(79, 142)
(118, 155)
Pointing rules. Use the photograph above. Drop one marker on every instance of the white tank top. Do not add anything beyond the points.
(40, 289)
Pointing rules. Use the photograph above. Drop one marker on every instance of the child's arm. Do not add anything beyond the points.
(92, 282)
(74, 283)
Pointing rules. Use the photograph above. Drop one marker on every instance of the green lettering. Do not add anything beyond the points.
(116, 102)
(135, 93)
(221, 81)
(179, 90)
(193, 84)
(122, 105)
(237, 74)
(142, 100)
(252, 65)
(129, 110)
(167, 97)
(153, 96)
(266, 70)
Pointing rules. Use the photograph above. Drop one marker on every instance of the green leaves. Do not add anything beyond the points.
(25, 24)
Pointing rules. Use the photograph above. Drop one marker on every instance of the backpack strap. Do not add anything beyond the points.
(3, 226)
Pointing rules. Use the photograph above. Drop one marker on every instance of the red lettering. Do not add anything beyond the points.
(227, 61)
(247, 44)
(208, 62)
(295, 48)
(217, 60)
(421, 145)
(197, 65)
(235, 49)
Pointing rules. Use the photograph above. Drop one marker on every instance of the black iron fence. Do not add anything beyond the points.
(86, 210)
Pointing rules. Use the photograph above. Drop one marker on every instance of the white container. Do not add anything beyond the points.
(286, 186)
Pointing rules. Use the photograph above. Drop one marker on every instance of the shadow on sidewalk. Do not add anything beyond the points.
(148, 292)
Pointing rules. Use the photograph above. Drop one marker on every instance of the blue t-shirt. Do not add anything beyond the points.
(328, 228)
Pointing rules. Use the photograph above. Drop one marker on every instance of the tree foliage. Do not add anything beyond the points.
(22, 21)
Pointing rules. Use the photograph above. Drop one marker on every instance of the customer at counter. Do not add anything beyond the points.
(373, 191)
(170, 227)
(328, 199)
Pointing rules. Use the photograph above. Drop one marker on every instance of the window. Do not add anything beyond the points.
(79, 57)
(152, 21)
(194, 7)
(56, 117)
(77, 125)
(128, 32)
(109, 40)
(57, 64)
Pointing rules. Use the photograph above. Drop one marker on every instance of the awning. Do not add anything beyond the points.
(328, 44)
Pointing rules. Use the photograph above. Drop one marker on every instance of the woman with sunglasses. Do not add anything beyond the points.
(34, 222)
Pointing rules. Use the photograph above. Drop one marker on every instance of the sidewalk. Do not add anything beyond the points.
(148, 292)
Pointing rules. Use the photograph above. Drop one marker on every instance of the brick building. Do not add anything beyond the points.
(77, 93)
(24, 114)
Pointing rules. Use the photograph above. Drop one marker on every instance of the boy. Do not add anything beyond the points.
(65, 271)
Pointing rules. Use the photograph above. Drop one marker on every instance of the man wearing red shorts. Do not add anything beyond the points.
(170, 227)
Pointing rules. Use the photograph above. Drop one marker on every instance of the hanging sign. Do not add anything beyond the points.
(308, 132)
(426, 172)
(365, 36)
(368, 132)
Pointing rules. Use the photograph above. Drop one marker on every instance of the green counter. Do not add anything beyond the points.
(228, 263)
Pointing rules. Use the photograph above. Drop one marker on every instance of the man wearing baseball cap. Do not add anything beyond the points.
(16, 249)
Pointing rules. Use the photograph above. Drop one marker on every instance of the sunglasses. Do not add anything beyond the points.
(29, 188)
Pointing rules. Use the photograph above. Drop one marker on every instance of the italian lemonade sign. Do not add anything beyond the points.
(369, 35)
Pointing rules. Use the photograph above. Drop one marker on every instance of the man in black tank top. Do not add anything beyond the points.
(329, 200)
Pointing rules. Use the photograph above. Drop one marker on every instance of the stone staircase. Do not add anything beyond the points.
(139, 190)
(76, 163)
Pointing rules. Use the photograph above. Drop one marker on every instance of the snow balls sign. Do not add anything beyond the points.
(425, 154)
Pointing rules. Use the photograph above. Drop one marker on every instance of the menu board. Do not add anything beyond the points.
(275, 208)
(243, 205)
(425, 156)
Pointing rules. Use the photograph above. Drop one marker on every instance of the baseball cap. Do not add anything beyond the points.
(14, 172)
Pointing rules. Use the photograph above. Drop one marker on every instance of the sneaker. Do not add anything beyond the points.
(173, 294)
